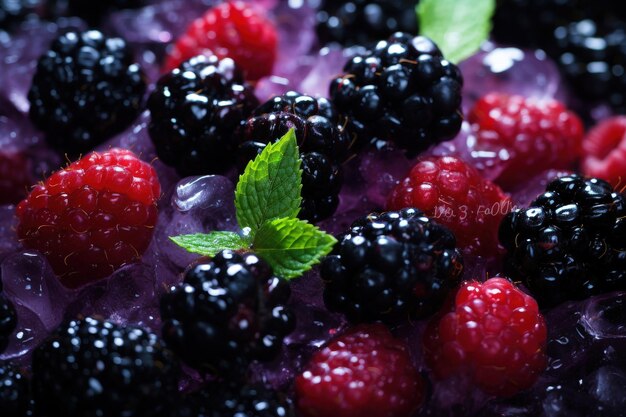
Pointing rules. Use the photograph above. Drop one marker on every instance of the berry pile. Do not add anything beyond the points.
(363, 22)
(91, 367)
(227, 312)
(391, 266)
(322, 141)
(86, 89)
(570, 243)
(363, 372)
(194, 110)
(403, 92)
(93, 216)
(493, 332)
(454, 194)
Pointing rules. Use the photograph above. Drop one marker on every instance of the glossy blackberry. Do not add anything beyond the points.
(323, 143)
(8, 320)
(91, 367)
(227, 312)
(195, 110)
(12, 12)
(402, 93)
(363, 22)
(86, 89)
(233, 401)
(570, 243)
(15, 399)
(391, 266)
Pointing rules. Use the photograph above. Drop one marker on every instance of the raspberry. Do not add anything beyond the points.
(403, 93)
(532, 135)
(364, 372)
(14, 391)
(363, 22)
(86, 89)
(392, 266)
(605, 151)
(15, 176)
(322, 141)
(195, 109)
(219, 400)
(455, 195)
(570, 243)
(92, 368)
(494, 333)
(227, 312)
(93, 216)
(232, 29)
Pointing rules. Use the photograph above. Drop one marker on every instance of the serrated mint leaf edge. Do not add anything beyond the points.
(282, 257)
(254, 209)
(209, 244)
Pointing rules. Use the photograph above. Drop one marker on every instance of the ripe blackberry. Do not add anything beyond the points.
(364, 22)
(391, 266)
(12, 12)
(86, 89)
(14, 391)
(323, 143)
(570, 243)
(403, 92)
(227, 312)
(195, 110)
(92, 368)
(219, 400)
(8, 320)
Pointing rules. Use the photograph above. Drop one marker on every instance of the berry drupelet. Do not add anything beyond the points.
(86, 89)
(363, 22)
(391, 266)
(226, 400)
(195, 109)
(570, 243)
(91, 367)
(322, 140)
(403, 92)
(15, 395)
(227, 312)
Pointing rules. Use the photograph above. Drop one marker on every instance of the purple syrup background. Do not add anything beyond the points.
(585, 337)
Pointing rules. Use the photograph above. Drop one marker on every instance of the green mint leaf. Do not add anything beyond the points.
(291, 246)
(212, 243)
(458, 27)
(270, 186)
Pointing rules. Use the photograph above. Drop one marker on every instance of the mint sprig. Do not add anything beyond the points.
(458, 27)
(267, 201)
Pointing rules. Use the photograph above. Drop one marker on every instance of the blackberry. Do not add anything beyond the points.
(403, 92)
(363, 22)
(233, 401)
(8, 320)
(86, 89)
(391, 266)
(14, 391)
(91, 367)
(323, 143)
(570, 243)
(227, 312)
(195, 110)
(12, 12)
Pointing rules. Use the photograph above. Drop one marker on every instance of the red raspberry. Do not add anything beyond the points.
(453, 193)
(234, 30)
(528, 135)
(364, 372)
(605, 151)
(93, 216)
(15, 177)
(494, 332)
